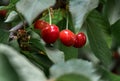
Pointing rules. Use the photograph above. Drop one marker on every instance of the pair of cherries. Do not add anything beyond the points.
(50, 33)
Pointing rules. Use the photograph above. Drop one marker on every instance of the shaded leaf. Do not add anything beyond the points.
(4, 36)
(31, 9)
(115, 28)
(108, 76)
(37, 44)
(74, 66)
(70, 52)
(79, 10)
(96, 39)
(35, 41)
(25, 69)
(14, 44)
(112, 10)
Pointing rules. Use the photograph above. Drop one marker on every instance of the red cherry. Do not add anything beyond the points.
(50, 34)
(80, 40)
(3, 13)
(67, 37)
(40, 24)
(116, 55)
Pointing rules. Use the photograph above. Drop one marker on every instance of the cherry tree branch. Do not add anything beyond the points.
(15, 28)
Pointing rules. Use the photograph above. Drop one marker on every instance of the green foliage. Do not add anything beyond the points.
(70, 52)
(7, 73)
(11, 16)
(96, 38)
(4, 36)
(57, 16)
(79, 10)
(77, 67)
(31, 9)
(72, 77)
(116, 33)
(55, 55)
(26, 57)
(25, 70)
(108, 75)
(112, 11)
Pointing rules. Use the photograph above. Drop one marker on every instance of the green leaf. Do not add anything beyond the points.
(40, 60)
(37, 44)
(55, 55)
(14, 44)
(36, 41)
(103, 1)
(108, 76)
(7, 72)
(25, 69)
(74, 66)
(79, 10)
(11, 16)
(96, 38)
(57, 16)
(115, 28)
(4, 36)
(112, 10)
(72, 77)
(70, 52)
(31, 9)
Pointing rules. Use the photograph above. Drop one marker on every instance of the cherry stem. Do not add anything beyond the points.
(67, 22)
(50, 19)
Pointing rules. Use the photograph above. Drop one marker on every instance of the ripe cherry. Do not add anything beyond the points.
(80, 40)
(50, 34)
(3, 13)
(116, 55)
(67, 37)
(40, 24)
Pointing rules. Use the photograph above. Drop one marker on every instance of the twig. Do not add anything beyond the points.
(20, 25)
(14, 29)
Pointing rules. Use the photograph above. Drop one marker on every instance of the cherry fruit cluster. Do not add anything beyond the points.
(50, 33)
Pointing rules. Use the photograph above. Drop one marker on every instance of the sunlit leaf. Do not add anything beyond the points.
(25, 69)
(7, 73)
(79, 10)
(11, 16)
(31, 9)
(74, 66)
(112, 10)
(55, 55)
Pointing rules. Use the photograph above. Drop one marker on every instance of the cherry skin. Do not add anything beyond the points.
(67, 37)
(3, 13)
(50, 34)
(80, 40)
(40, 24)
(116, 55)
